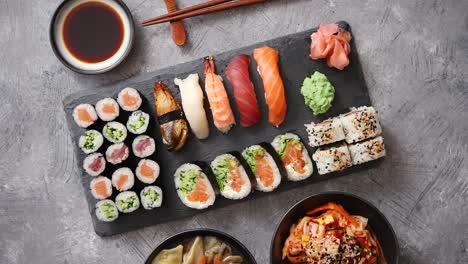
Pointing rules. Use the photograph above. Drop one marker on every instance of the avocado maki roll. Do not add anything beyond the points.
(138, 122)
(115, 132)
(151, 197)
(127, 201)
(90, 141)
(106, 211)
(232, 179)
(263, 166)
(193, 187)
(294, 156)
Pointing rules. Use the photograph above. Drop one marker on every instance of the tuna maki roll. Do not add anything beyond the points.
(368, 150)
(101, 187)
(232, 179)
(116, 153)
(84, 115)
(123, 179)
(107, 109)
(106, 211)
(94, 164)
(325, 132)
(294, 156)
(129, 99)
(360, 124)
(90, 141)
(332, 158)
(138, 122)
(151, 197)
(147, 171)
(263, 166)
(193, 187)
(127, 202)
(143, 146)
(115, 132)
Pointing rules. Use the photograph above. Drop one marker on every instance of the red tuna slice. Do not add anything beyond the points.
(143, 144)
(96, 165)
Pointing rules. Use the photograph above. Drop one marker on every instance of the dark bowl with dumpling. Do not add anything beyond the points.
(194, 245)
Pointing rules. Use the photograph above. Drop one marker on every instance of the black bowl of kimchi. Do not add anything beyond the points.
(377, 224)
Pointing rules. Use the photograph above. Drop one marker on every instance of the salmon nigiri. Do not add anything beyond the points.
(267, 60)
(237, 73)
(217, 97)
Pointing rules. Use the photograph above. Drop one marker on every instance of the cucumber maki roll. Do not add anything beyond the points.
(263, 165)
(232, 179)
(294, 156)
(127, 202)
(151, 197)
(106, 211)
(193, 187)
(90, 141)
(138, 122)
(115, 132)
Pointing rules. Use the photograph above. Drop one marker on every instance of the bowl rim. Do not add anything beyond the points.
(394, 237)
(202, 232)
(92, 72)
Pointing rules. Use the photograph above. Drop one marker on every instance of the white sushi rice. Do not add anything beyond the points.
(127, 202)
(183, 196)
(276, 173)
(151, 197)
(106, 211)
(368, 150)
(120, 173)
(89, 160)
(131, 92)
(97, 180)
(333, 158)
(145, 178)
(100, 109)
(115, 132)
(293, 175)
(360, 124)
(228, 192)
(90, 141)
(138, 122)
(88, 108)
(325, 132)
(147, 151)
(114, 147)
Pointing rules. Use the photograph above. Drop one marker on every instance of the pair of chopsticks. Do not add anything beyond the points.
(200, 9)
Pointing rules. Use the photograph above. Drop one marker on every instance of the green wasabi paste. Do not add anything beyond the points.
(318, 93)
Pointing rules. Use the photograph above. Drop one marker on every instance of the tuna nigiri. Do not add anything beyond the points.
(217, 97)
(237, 73)
(267, 60)
(192, 103)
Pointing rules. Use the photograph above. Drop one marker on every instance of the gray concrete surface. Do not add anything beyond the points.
(415, 60)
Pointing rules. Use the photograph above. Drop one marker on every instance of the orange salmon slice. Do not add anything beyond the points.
(108, 109)
(293, 156)
(84, 115)
(129, 100)
(146, 171)
(121, 181)
(101, 189)
(264, 171)
(235, 177)
(199, 192)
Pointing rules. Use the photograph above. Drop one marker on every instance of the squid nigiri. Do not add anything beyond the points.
(267, 60)
(217, 97)
(237, 73)
(192, 103)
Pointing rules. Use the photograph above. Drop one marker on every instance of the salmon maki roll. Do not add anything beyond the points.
(193, 187)
(294, 156)
(151, 197)
(94, 164)
(264, 167)
(84, 115)
(107, 109)
(217, 97)
(147, 171)
(101, 187)
(127, 202)
(106, 211)
(123, 179)
(267, 60)
(232, 179)
(129, 99)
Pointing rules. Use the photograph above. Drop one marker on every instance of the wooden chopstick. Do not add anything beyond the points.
(198, 10)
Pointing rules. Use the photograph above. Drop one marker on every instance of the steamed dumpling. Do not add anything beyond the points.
(170, 256)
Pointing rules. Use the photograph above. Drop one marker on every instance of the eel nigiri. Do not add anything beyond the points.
(217, 97)
(174, 128)
(267, 60)
(237, 73)
(192, 103)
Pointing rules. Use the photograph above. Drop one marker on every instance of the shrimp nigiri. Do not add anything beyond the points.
(217, 97)
(237, 73)
(267, 60)
(192, 103)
